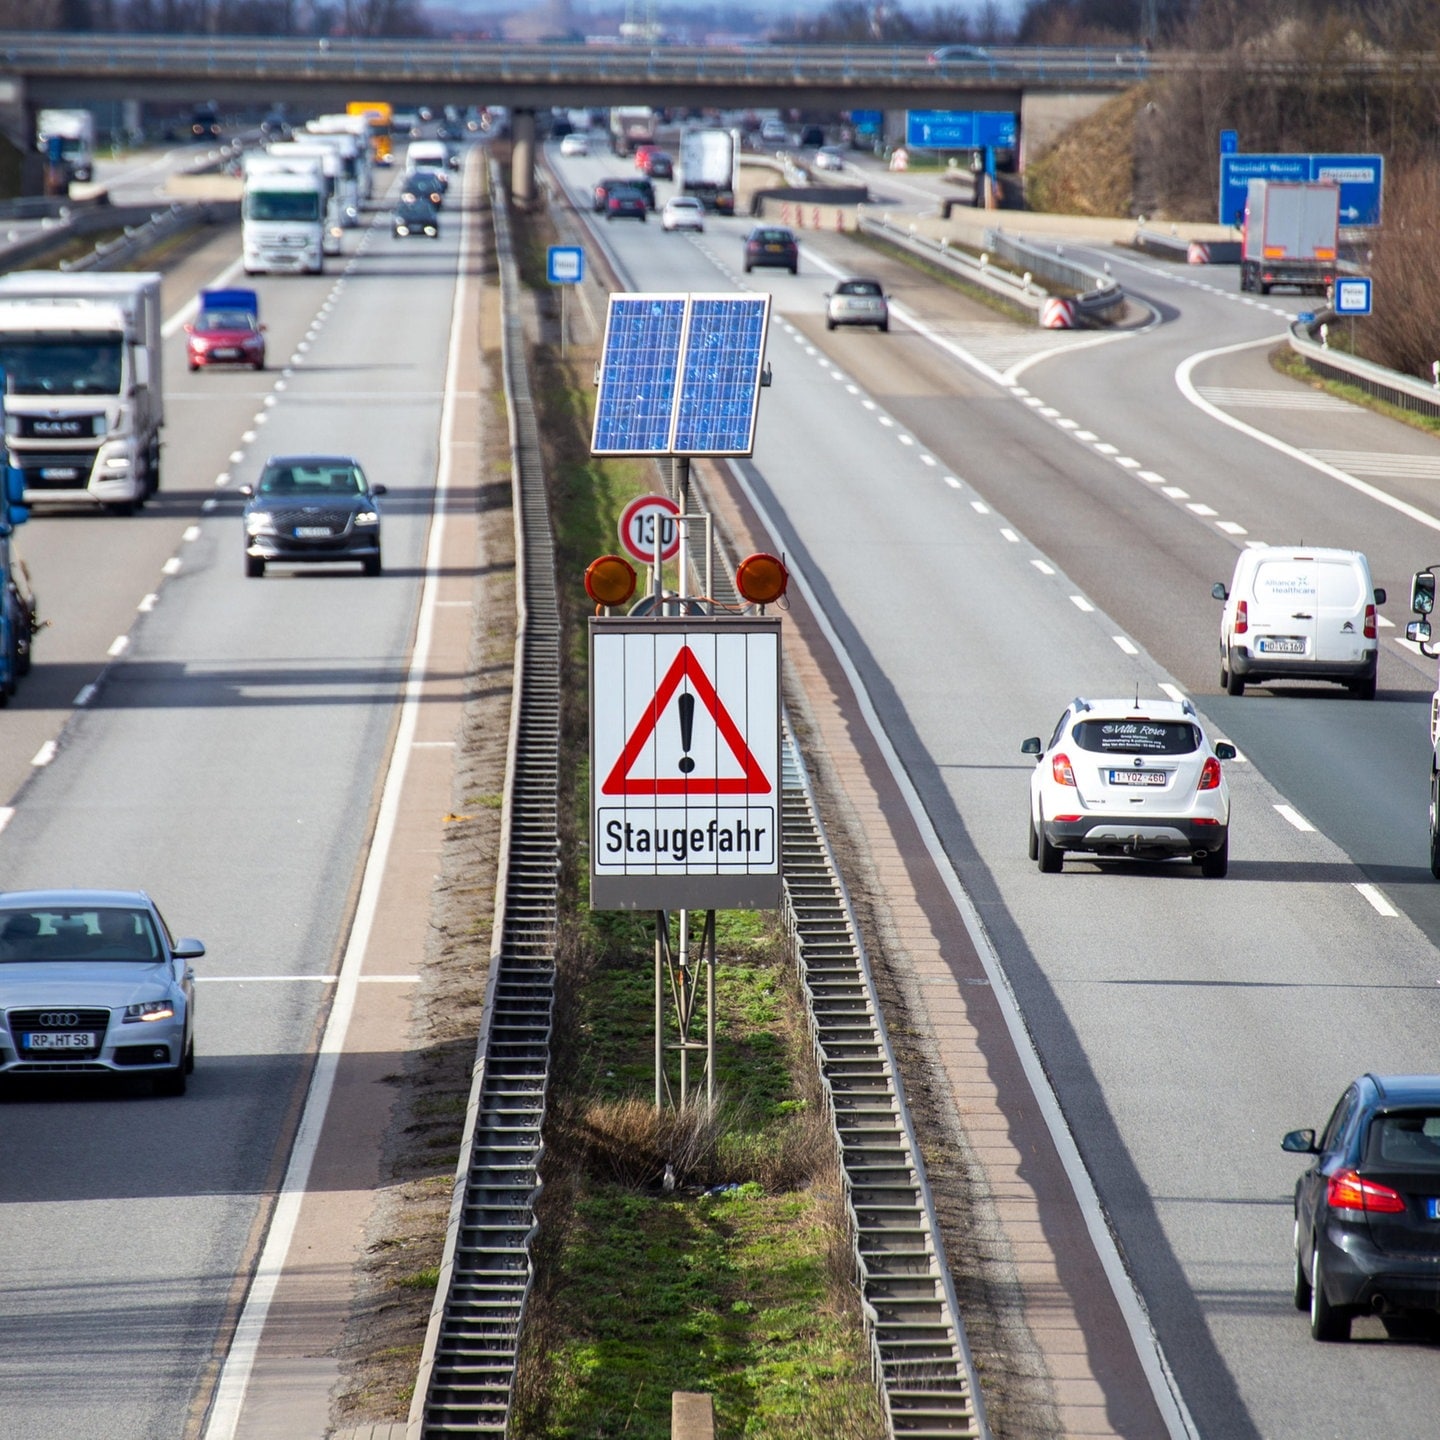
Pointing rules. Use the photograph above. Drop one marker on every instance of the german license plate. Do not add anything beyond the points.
(225, 354)
(58, 1040)
(1281, 645)
(1137, 777)
(312, 532)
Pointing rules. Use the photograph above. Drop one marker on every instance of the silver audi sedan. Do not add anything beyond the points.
(93, 983)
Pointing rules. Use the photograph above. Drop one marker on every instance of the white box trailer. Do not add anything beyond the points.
(707, 169)
(85, 400)
(1291, 235)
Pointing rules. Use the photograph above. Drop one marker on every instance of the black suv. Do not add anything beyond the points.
(1367, 1211)
(642, 183)
(772, 245)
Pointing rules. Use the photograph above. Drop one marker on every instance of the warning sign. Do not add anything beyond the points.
(685, 763)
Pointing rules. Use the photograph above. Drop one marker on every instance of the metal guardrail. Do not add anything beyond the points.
(1098, 295)
(138, 238)
(467, 1368)
(1021, 288)
(1406, 392)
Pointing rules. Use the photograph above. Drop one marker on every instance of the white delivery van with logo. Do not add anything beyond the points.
(1299, 613)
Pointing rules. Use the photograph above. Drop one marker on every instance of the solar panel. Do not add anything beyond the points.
(680, 374)
(720, 382)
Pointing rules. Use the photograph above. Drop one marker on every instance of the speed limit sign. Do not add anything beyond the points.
(643, 519)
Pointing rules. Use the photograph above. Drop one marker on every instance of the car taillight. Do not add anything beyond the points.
(1242, 618)
(1369, 622)
(1347, 1191)
(1060, 769)
(1209, 774)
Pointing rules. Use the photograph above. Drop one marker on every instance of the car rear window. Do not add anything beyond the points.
(1410, 1140)
(858, 287)
(1138, 736)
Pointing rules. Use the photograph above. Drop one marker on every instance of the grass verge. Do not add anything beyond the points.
(736, 1278)
(1287, 362)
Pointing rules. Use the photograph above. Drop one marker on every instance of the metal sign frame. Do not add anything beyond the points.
(685, 763)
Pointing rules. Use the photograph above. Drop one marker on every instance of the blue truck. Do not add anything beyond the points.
(19, 615)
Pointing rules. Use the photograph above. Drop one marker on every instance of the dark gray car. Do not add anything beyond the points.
(311, 509)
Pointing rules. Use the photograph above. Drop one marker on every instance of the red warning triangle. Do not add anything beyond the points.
(686, 667)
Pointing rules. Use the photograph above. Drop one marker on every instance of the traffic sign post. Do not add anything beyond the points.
(1361, 179)
(685, 763)
(564, 266)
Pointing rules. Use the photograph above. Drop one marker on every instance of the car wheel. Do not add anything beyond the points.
(121, 507)
(1034, 847)
(829, 324)
(1051, 857)
(795, 269)
(1327, 1321)
(1300, 1280)
(193, 367)
(173, 1082)
(1215, 865)
(1364, 689)
(259, 364)
(371, 564)
(255, 567)
(1234, 685)
(1435, 822)
(747, 267)
(884, 327)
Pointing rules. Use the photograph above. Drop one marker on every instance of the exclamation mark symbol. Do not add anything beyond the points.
(687, 730)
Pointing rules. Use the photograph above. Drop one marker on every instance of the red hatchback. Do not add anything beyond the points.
(227, 331)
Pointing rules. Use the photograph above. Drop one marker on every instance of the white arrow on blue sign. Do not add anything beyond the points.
(1361, 179)
(961, 129)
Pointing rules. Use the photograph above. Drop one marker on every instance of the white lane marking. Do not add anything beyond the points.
(1381, 904)
(906, 439)
(1011, 536)
(209, 504)
(1127, 462)
(1107, 449)
(1286, 812)
(1125, 644)
(979, 507)
(1255, 545)
(192, 532)
(86, 695)
(45, 754)
(1034, 401)
(1068, 424)
(1152, 477)
(1230, 527)
(952, 482)
(928, 460)
(1176, 493)
(1173, 691)
(1048, 411)
(885, 420)
(303, 979)
(172, 566)
(1373, 462)
(1204, 511)
(7, 814)
(1042, 567)
(1187, 388)
(434, 744)
(1081, 603)
(118, 646)
(236, 456)
(234, 1378)
(147, 603)
(247, 437)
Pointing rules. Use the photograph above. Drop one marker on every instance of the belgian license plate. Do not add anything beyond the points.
(1281, 645)
(58, 1040)
(312, 532)
(1137, 777)
(1432, 1209)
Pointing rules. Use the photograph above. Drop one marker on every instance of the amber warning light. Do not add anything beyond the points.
(762, 579)
(610, 580)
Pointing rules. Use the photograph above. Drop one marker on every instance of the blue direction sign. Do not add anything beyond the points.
(1360, 178)
(961, 129)
(1229, 142)
(1352, 294)
(565, 264)
(867, 122)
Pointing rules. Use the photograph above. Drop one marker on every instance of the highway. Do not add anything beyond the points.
(989, 521)
(220, 742)
(988, 533)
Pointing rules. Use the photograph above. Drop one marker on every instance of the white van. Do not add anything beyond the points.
(1299, 613)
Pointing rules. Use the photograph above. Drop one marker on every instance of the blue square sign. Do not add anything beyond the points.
(565, 265)
(1352, 294)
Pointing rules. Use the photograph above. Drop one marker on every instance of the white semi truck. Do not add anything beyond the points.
(84, 402)
(67, 138)
(332, 167)
(708, 160)
(357, 128)
(283, 215)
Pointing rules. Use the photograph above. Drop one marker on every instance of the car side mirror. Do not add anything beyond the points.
(1422, 592)
(377, 490)
(189, 327)
(1417, 632)
(1224, 750)
(1379, 594)
(1300, 1142)
(1031, 746)
(1219, 591)
(189, 949)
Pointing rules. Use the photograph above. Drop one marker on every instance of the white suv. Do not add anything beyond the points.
(1125, 779)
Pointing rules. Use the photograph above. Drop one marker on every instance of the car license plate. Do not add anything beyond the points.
(312, 532)
(775, 249)
(1138, 777)
(58, 1040)
(1281, 645)
(225, 354)
(59, 472)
